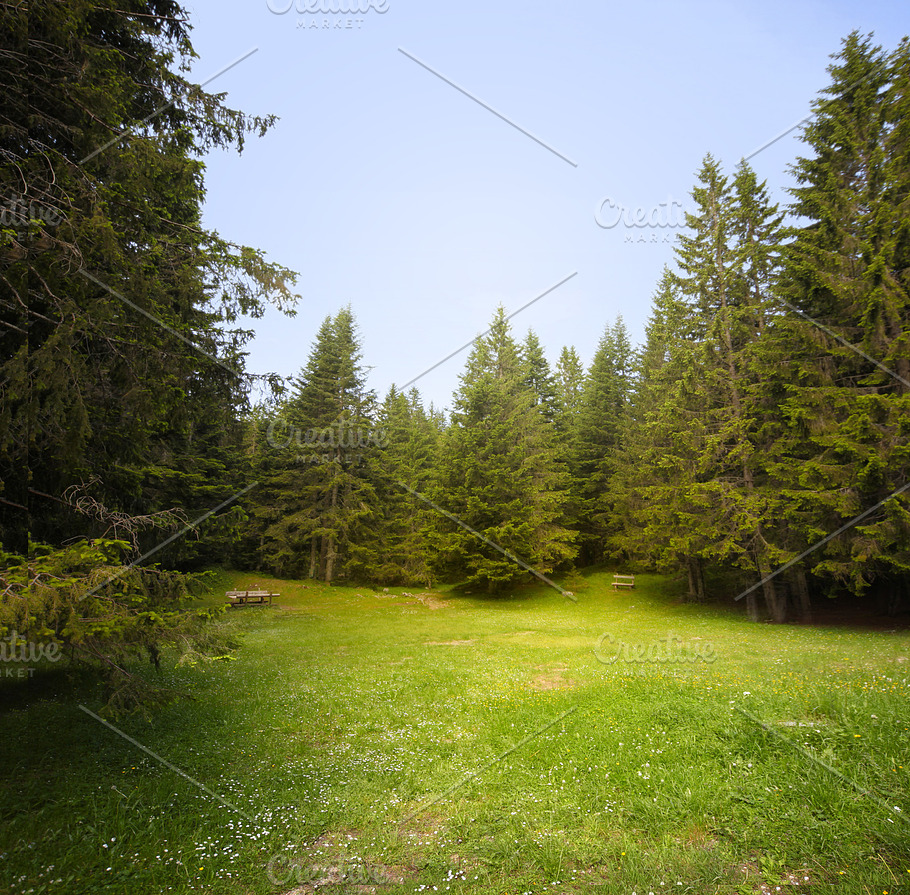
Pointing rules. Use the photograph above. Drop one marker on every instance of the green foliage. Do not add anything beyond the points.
(657, 463)
(595, 439)
(121, 359)
(569, 387)
(538, 377)
(770, 408)
(498, 473)
(97, 611)
(404, 535)
(317, 502)
(843, 358)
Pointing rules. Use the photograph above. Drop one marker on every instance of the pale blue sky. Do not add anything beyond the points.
(388, 189)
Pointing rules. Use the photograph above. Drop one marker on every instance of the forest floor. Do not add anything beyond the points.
(439, 741)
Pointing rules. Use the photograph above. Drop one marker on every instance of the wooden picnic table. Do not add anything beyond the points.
(241, 597)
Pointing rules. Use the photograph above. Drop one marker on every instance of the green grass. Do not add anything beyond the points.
(339, 734)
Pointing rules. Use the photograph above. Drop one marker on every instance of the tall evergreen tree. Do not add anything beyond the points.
(569, 381)
(596, 438)
(725, 266)
(320, 496)
(569, 387)
(700, 409)
(844, 359)
(120, 359)
(655, 490)
(498, 474)
(402, 540)
(538, 376)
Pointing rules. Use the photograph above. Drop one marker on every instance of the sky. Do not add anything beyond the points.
(433, 161)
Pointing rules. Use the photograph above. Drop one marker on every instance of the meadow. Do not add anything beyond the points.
(441, 741)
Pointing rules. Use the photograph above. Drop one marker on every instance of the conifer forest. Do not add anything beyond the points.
(757, 441)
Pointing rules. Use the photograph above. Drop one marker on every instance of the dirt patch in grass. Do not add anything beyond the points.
(698, 835)
(421, 827)
(770, 882)
(553, 678)
(431, 602)
(332, 860)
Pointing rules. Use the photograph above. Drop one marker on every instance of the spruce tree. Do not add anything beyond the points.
(324, 500)
(726, 262)
(693, 481)
(657, 502)
(596, 439)
(120, 357)
(538, 376)
(845, 362)
(569, 387)
(121, 361)
(401, 542)
(499, 474)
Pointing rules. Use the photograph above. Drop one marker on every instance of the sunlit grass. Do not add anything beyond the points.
(339, 733)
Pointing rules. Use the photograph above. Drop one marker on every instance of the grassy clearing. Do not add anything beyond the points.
(340, 732)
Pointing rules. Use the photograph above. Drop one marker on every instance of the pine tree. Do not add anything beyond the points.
(401, 543)
(569, 382)
(538, 377)
(771, 399)
(324, 499)
(725, 267)
(499, 474)
(121, 362)
(655, 484)
(108, 164)
(596, 439)
(845, 362)
(693, 481)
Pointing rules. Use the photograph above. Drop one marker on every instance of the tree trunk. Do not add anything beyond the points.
(312, 557)
(700, 581)
(696, 580)
(774, 600)
(329, 541)
(802, 595)
(896, 594)
(329, 559)
(752, 606)
(692, 596)
(323, 557)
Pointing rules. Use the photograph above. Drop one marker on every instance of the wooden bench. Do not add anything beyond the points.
(241, 597)
(623, 581)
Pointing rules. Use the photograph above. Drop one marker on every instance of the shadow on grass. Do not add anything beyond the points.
(63, 683)
(524, 593)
